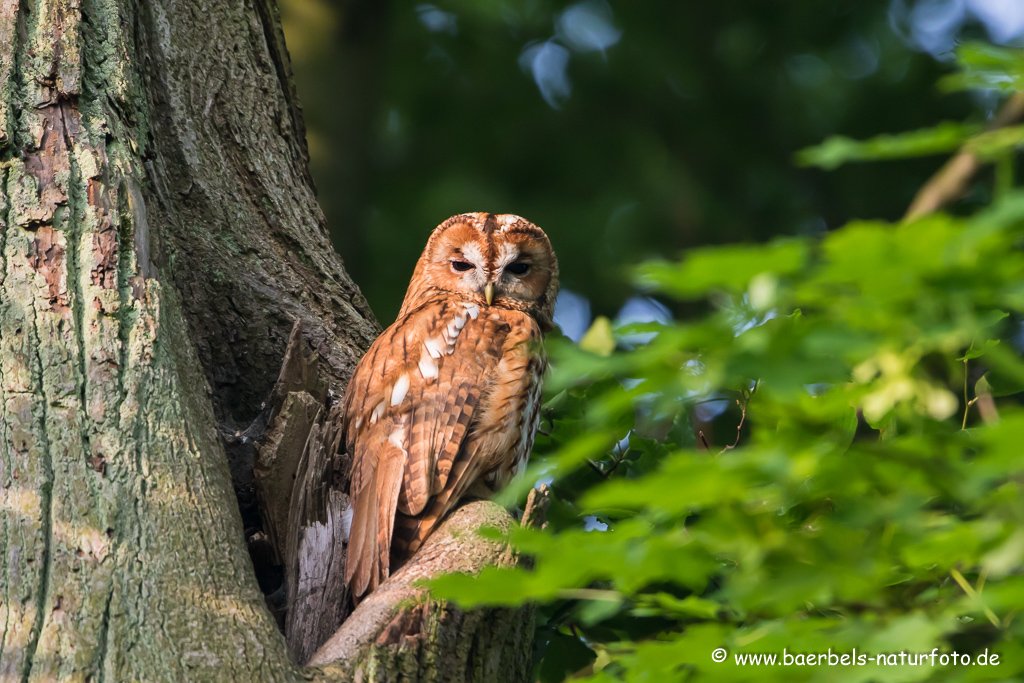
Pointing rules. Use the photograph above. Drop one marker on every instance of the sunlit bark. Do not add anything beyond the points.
(159, 236)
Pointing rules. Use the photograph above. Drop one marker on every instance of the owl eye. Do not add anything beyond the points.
(461, 266)
(518, 268)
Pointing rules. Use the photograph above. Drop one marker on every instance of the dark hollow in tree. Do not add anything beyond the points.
(159, 237)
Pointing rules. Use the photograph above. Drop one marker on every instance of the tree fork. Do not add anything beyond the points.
(159, 236)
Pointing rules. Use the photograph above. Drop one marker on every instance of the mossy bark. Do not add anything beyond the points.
(159, 236)
(398, 633)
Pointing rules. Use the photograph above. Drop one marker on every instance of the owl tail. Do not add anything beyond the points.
(412, 532)
(367, 563)
(361, 560)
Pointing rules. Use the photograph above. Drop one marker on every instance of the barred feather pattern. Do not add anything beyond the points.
(445, 404)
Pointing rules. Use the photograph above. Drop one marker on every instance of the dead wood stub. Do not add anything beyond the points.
(275, 467)
(290, 458)
(318, 598)
(399, 633)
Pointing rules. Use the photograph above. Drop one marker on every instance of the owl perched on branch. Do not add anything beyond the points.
(446, 402)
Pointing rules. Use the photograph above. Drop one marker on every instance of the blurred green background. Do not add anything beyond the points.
(625, 129)
(867, 500)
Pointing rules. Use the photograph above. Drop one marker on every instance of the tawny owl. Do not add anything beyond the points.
(445, 404)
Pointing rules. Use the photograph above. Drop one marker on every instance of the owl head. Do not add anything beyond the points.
(488, 259)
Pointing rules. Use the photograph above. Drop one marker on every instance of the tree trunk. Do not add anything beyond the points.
(159, 236)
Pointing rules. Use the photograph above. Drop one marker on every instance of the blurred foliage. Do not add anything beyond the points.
(861, 486)
(627, 130)
(824, 450)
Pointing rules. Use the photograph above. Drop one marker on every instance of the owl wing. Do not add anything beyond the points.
(408, 409)
(499, 439)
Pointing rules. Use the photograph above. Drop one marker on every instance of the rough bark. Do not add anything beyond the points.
(483, 645)
(158, 238)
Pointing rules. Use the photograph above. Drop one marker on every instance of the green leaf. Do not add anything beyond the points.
(979, 350)
(994, 143)
(838, 150)
(987, 67)
(599, 338)
(724, 268)
(594, 611)
(1006, 374)
(690, 606)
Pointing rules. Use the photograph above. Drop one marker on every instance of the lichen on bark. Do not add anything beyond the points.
(159, 236)
(399, 633)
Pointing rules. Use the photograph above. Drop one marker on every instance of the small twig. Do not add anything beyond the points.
(703, 401)
(743, 416)
(986, 406)
(974, 595)
(590, 594)
(950, 182)
(618, 461)
(967, 404)
(704, 440)
(967, 408)
(550, 418)
(615, 462)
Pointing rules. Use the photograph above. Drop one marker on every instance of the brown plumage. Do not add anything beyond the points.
(445, 403)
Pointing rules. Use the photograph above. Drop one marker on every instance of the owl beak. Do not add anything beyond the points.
(489, 293)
